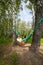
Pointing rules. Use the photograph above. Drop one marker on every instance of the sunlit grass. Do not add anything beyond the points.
(41, 41)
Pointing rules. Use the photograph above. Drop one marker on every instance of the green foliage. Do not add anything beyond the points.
(23, 28)
(33, 1)
(9, 60)
(30, 40)
(4, 40)
(29, 6)
(17, 2)
(15, 58)
(2, 62)
(6, 24)
(41, 41)
(4, 5)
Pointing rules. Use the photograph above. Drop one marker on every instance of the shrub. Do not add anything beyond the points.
(4, 40)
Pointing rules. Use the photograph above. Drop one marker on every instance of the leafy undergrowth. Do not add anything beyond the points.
(5, 40)
(30, 40)
(41, 41)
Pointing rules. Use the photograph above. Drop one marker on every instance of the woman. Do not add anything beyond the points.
(20, 40)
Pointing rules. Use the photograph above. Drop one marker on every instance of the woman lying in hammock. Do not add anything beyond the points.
(20, 40)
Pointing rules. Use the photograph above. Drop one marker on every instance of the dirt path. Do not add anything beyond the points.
(27, 57)
(23, 49)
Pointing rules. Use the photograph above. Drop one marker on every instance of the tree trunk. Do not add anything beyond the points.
(14, 21)
(37, 35)
(33, 13)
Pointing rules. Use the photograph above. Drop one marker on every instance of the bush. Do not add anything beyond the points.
(30, 40)
(5, 40)
(41, 41)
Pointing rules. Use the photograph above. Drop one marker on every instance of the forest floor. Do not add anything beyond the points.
(25, 57)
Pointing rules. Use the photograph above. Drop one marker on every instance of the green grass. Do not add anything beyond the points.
(9, 60)
(15, 58)
(5, 40)
(30, 40)
(41, 41)
(2, 62)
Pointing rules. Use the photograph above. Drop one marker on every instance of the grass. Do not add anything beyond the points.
(41, 41)
(9, 60)
(15, 58)
(5, 40)
(30, 40)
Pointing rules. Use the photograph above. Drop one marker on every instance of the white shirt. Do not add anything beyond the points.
(19, 39)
